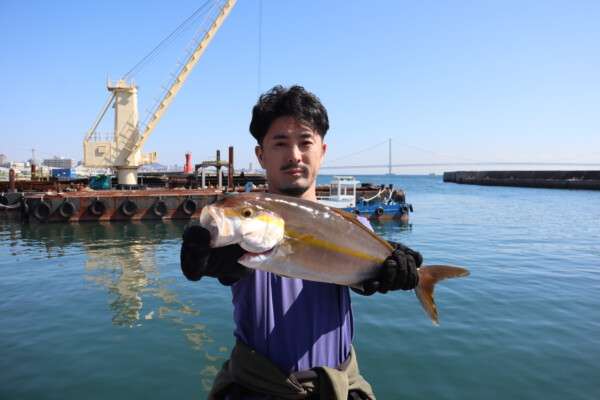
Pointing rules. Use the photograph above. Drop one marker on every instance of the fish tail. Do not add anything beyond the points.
(428, 277)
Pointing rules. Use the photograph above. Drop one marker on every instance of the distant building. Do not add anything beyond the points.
(18, 165)
(153, 168)
(3, 162)
(34, 161)
(59, 162)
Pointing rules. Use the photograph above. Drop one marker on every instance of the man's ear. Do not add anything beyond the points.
(323, 153)
(259, 154)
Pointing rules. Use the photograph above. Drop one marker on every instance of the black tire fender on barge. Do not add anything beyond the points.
(128, 208)
(189, 206)
(67, 209)
(97, 208)
(159, 208)
(42, 211)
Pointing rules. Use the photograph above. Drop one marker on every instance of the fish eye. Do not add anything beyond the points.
(247, 212)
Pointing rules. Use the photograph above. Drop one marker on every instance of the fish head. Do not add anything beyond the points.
(238, 219)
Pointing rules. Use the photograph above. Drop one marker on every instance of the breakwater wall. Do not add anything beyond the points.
(588, 180)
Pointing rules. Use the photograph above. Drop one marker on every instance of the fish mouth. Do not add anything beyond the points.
(221, 232)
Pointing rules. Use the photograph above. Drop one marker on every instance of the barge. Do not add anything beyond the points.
(107, 205)
(180, 199)
(100, 198)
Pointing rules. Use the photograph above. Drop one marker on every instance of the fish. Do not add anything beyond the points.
(299, 238)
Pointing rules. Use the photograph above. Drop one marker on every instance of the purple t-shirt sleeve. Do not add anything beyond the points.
(365, 222)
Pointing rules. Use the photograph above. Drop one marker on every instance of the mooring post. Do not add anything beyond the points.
(219, 173)
(11, 181)
(230, 171)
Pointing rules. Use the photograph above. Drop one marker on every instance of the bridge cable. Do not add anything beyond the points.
(358, 152)
(437, 154)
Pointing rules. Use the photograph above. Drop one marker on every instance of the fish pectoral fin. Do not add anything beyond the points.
(304, 237)
(294, 241)
(428, 277)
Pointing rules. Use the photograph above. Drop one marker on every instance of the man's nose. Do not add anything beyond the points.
(295, 155)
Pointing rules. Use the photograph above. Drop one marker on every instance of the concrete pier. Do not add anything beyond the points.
(587, 180)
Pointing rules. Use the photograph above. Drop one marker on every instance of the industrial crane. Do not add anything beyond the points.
(122, 148)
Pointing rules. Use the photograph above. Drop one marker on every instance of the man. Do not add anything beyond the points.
(294, 337)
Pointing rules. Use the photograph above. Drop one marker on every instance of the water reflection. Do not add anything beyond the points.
(122, 259)
(391, 229)
(30, 238)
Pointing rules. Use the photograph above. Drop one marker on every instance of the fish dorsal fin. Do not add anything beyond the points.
(353, 218)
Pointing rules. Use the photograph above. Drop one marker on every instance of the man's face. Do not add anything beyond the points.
(291, 153)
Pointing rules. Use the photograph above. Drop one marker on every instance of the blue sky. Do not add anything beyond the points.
(448, 81)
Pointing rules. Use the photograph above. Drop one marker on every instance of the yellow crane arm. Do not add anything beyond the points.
(214, 20)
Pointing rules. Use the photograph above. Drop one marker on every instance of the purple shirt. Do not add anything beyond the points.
(295, 323)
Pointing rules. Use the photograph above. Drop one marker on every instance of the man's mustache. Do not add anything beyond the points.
(292, 166)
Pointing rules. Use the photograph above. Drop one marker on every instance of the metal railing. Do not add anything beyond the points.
(101, 136)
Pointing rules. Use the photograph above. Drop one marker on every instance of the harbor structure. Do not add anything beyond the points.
(59, 162)
(589, 180)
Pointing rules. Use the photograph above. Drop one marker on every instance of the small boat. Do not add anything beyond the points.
(386, 203)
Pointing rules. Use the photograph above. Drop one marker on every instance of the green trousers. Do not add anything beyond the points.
(248, 372)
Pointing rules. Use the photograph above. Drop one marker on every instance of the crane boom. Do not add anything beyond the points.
(122, 147)
(221, 9)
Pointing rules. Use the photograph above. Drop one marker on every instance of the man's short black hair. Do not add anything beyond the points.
(295, 102)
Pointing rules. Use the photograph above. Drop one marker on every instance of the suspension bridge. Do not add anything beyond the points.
(462, 163)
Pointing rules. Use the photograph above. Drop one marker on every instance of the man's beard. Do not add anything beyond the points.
(294, 191)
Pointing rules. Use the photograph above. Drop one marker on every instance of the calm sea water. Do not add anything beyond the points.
(92, 311)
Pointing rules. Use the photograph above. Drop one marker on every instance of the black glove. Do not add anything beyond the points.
(399, 271)
(198, 259)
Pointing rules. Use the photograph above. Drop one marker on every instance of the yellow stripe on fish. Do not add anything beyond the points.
(261, 217)
(271, 220)
(312, 240)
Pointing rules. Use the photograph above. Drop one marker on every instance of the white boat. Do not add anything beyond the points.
(342, 192)
(386, 204)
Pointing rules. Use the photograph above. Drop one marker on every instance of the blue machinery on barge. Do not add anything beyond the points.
(386, 203)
